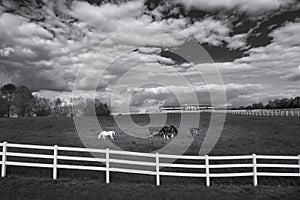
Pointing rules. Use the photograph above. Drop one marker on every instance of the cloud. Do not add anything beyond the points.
(287, 35)
(208, 31)
(216, 33)
(237, 42)
(277, 58)
(160, 95)
(13, 26)
(145, 50)
(44, 49)
(6, 51)
(4, 79)
(106, 15)
(168, 32)
(245, 6)
(24, 45)
(293, 75)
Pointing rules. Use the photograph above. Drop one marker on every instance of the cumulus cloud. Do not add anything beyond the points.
(23, 44)
(52, 44)
(44, 49)
(209, 30)
(237, 41)
(216, 33)
(293, 75)
(250, 7)
(160, 95)
(6, 51)
(287, 35)
(280, 55)
(108, 17)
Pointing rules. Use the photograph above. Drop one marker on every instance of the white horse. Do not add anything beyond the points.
(104, 134)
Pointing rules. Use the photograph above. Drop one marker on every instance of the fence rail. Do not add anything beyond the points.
(158, 166)
(267, 112)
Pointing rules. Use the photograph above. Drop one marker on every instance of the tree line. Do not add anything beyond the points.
(276, 104)
(19, 101)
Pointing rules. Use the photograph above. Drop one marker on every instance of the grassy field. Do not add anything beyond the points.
(32, 188)
(241, 135)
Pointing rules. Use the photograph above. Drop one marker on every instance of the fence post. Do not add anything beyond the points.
(55, 153)
(157, 168)
(3, 168)
(254, 170)
(207, 170)
(299, 164)
(107, 165)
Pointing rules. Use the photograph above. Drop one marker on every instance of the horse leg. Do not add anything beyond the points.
(151, 134)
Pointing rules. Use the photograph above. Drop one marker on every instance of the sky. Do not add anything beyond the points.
(136, 55)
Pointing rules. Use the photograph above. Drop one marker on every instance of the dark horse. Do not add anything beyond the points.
(195, 131)
(168, 132)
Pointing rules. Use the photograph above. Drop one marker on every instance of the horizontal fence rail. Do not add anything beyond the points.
(158, 166)
(266, 112)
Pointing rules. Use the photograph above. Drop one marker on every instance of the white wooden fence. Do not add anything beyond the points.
(158, 166)
(267, 112)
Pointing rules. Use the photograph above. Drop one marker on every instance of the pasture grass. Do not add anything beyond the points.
(38, 188)
(241, 135)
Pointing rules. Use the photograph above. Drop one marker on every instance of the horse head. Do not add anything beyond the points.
(174, 129)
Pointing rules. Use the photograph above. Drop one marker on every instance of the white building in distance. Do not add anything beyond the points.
(186, 108)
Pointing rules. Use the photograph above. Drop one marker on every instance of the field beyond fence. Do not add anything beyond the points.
(254, 163)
